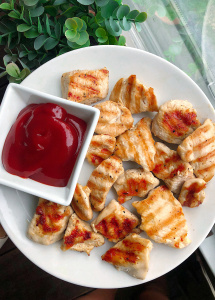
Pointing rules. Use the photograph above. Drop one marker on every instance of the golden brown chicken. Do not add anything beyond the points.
(137, 145)
(134, 95)
(81, 202)
(131, 255)
(175, 120)
(162, 218)
(85, 86)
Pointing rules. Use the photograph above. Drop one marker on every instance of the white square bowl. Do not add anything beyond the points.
(15, 99)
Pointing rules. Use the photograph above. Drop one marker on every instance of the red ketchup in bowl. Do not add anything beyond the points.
(43, 144)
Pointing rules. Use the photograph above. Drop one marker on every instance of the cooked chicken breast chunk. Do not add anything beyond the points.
(80, 237)
(49, 222)
(85, 86)
(81, 202)
(192, 193)
(102, 179)
(134, 95)
(162, 218)
(137, 145)
(199, 149)
(101, 147)
(134, 182)
(171, 168)
(114, 118)
(131, 255)
(115, 222)
(175, 120)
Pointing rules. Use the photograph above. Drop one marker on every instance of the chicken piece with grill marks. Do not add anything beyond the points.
(162, 218)
(137, 145)
(130, 255)
(85, 86)
(101, 147)
(134, 182)
(114, 118)
(199, 149)
(102, 179)
(171, 168)
(192, 193)
(175, 120)
(81, 202)
(49, 222)
(115, 222)
(134, 95)
(80, 237)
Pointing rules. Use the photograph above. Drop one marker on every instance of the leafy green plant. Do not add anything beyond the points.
(35, 31)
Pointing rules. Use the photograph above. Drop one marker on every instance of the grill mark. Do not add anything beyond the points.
(82, 88)
(173, 233)
(151, 98)
(206, 157)
(203, 144)
(129, 85)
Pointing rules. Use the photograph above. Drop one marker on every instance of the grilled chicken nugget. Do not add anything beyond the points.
(137, 145)
(49, 222)
(163, 218)
(81, 202)
(171, 168)
(85, 86)
(134, 182)
(131, 255)
(114, 118)
(134, 95)
(102, 179)
(80, 237)
(175, 120)
(192, 193)
(199, 149)
(115, 222)
(101, 147)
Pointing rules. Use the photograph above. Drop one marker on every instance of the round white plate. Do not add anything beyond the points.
(17, 208)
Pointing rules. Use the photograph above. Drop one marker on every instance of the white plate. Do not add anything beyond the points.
(17, 208)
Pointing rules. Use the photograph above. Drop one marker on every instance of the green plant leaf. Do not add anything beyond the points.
(64, 50)
(101, 3)
(71, 24)
(141, 17)
(32, 55)
(122, 11)
(50, 43)
(161, 11)
(107, 10)
(30, 2)
(13, 70)
(133, 14)
(14, 14)
(59, 2)
(125, 24)
(57, 30)
(70, 34)
(84, 37)
(86, 2)
(6, 59)
(138, 26)
(38, 11)
(100, 32)
(5, 6)
(39, 26)
(51, 10)
(48, 26)
(98, 18)
(23, 27)
(115, 27)
(2, 74)
(102, 40)
(23, 54)
(122, 40)
(32, 33)
(79, 22)
(40, 41)
(24, 73)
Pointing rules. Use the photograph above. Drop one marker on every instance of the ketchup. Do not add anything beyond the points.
(43, 144)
